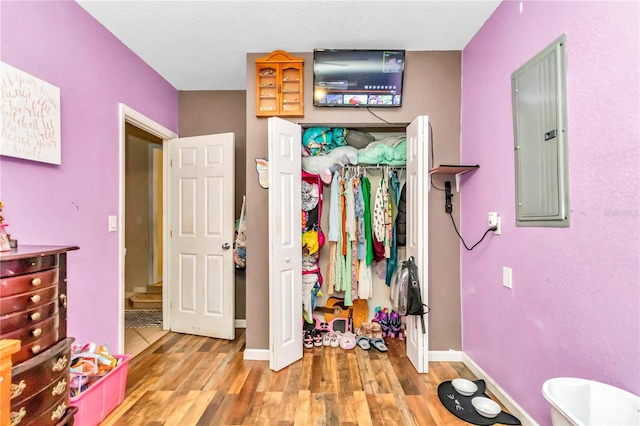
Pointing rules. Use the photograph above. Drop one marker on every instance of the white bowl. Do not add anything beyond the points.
(464, 387)
(486, 407)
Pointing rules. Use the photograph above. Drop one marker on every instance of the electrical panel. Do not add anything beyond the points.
(539, 93)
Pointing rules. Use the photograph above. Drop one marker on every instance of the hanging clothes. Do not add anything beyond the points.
(392, 261)
(368, 231)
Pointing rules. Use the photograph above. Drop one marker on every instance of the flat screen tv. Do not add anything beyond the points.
(358, 78)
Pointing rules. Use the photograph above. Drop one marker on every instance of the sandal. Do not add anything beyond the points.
(348, 341)
(363, 342)
(379, 345)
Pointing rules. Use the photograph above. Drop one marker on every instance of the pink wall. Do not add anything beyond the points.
(574, 309)
(57, 41)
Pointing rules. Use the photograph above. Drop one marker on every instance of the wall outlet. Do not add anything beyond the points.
(507, 277)
(494, 221)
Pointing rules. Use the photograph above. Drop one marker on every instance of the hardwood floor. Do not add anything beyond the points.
(187, 380)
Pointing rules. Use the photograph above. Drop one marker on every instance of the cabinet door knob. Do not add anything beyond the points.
(17, 416)
(36, 281)
(16, 390)
(59, 388)
(37, 332)
(35, 298)
(58, 412)
(35, 349)
(63, 299)
(35, 316)
(60, 364)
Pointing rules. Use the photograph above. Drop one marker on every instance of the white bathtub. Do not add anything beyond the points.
(586, 402)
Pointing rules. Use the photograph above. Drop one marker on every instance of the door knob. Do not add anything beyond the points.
(226, 246)
(287, 259)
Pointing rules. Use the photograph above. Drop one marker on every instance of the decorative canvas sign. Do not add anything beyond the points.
(30, 117)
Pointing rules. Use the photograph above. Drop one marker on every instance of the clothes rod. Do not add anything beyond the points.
(373, 166)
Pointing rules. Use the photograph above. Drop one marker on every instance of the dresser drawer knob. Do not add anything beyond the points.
(59, 412)
(63, 299)
(36, 281)
(16, 390)
(17, 416)
(34, 316)
(35, 298)
(59, 388)
(60, 364)
(37, 332)
(35, 349)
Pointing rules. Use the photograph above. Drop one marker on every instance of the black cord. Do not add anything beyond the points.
(376, 116)
(461, 239)
(439, 189)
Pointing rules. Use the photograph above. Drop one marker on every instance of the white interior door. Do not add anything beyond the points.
(285, 244)
(201, 268)
(418, 234)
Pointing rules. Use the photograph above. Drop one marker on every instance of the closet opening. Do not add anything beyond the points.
(332, 265)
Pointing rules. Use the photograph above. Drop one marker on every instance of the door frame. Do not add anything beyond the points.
(135, 118)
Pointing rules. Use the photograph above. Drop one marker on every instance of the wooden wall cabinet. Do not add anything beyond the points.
(279, 85)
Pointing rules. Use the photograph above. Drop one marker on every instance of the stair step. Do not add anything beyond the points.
(146, 300)
(156, 288)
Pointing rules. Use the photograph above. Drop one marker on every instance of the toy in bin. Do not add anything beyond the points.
(89, 362)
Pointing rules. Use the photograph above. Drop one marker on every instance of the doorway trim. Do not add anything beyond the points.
(133, 117)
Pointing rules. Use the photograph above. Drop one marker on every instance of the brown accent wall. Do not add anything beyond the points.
(432, 87)
(220, 111)
(137, 235)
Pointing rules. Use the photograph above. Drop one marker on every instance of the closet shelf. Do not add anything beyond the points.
(453, 169)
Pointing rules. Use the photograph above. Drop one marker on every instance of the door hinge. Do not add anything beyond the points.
(170, 163)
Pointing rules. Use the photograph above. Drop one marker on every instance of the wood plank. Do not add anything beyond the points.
(190, 380)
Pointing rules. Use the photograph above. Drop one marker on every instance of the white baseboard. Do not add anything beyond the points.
(499, 393)
(240, 323)
(450, 356)
(256, 354)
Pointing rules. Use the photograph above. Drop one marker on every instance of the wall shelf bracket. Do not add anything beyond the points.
(454, 169)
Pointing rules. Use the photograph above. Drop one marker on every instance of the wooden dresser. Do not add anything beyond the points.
(33, 309)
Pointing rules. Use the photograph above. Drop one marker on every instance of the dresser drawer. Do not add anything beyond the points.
(36, 404)
(34, 331)
(40, 371)
(50, 416)
(29, 350)
(27, 301)
(26, 318)
(26, 265)
(10, 286)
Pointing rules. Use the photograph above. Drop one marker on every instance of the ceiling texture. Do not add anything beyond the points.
(202, 44)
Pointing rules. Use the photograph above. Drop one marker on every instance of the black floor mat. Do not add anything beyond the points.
(461, 407)
(142, 318)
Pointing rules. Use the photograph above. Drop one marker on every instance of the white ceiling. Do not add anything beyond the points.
(202, 45)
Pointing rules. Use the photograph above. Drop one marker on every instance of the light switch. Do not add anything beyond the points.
(113, 223)
(507, 279)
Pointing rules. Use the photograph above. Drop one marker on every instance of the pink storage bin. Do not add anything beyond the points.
(103, 396)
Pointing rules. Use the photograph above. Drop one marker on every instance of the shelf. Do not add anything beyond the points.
(453, 169)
